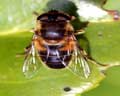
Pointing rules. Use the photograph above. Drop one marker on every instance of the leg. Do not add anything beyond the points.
(26, 51)
(79, 32)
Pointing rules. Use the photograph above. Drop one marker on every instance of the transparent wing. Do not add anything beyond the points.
(31, 63)
(80, 63)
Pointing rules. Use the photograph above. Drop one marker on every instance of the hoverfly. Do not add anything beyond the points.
(55, 45)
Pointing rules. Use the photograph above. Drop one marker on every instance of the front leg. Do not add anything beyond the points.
(79, 32)
(26, 51)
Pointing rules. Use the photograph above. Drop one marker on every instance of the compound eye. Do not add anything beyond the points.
(60, 18)
(45, 18)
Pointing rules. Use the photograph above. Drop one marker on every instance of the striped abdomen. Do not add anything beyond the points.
(55, 58)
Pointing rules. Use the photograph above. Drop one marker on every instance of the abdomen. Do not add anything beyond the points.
(54, 58)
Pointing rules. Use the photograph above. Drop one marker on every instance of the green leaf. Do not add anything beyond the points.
(17, 15)
(47, 82)
(16, 19)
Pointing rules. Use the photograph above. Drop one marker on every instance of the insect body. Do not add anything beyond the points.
(54, 44)
(54, 39)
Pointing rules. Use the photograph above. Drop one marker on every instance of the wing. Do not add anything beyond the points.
(31, 62)
(80, 63)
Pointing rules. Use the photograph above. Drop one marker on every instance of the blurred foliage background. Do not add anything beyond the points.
(101, 41)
